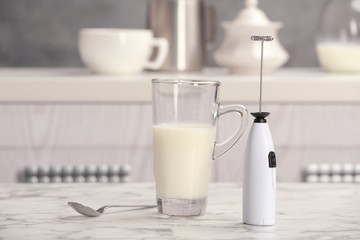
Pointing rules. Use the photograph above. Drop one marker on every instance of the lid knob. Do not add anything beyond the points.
(251, 3)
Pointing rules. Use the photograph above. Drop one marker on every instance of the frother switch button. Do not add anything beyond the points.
(272, 159)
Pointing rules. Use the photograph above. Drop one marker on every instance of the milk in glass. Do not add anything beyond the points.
(183, 158)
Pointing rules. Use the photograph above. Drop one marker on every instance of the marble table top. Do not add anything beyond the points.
(304, 211)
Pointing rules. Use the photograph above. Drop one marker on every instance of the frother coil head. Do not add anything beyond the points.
(262, 38)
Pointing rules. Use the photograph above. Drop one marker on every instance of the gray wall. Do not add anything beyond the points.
(44, 32)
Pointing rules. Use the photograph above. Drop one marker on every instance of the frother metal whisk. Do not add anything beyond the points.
(262, 39)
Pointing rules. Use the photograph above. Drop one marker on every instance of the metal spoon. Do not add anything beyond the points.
(90, 212)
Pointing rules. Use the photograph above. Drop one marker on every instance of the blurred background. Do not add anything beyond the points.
(316, 134)
(44, 32)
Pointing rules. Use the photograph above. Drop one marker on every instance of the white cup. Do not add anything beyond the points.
(120, 51)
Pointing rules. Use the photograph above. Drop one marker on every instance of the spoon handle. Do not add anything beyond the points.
(131, 206)
(136, 207)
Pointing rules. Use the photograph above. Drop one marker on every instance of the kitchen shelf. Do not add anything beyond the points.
(77, 85)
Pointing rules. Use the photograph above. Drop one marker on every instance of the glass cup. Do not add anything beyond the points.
(338, 36)
(185, 114)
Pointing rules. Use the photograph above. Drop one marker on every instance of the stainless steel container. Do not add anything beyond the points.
(182, 23)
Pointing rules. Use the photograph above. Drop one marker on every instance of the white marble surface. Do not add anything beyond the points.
(303, 85)
(304, 211)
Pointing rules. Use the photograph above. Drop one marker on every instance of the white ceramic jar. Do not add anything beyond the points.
(241, 55)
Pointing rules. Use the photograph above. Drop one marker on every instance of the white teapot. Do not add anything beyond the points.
(241, 55)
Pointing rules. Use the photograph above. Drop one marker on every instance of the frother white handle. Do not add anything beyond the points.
(259, 189)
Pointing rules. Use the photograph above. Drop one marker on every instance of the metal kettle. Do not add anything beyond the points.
(182, 23)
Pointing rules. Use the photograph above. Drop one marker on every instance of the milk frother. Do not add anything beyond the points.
(259, 190)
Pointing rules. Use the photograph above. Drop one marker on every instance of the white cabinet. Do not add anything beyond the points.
(56, 134)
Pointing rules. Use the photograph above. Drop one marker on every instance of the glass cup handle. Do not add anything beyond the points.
(223, 147)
